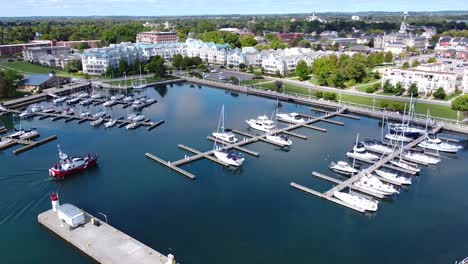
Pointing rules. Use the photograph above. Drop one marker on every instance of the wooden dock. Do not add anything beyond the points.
(250, 138)
(27, 143)
(103, 243)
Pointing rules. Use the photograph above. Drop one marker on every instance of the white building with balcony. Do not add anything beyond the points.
(425, 77)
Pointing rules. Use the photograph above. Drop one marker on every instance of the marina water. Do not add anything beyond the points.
(244, 215)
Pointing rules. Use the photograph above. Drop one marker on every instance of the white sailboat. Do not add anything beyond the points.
(359, 152)
(141, 85)
(59, 100)
(421, 157)
(281, 139)
(393, 177)
(117, 97)
(372, 184)
(357, 201)
(97, 122)
(110, 123)
(376, 146)
(222, 133)
(132, 125)
(228, 156)
(109, 103)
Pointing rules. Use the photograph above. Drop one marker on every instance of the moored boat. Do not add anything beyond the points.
(342, 167)
(393, 177)
(262, 123)
(356, 201)
(230, 157)
(291, 117)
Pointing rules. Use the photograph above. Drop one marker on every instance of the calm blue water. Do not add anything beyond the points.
(248, 215)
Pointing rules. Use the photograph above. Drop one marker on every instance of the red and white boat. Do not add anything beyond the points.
(70, 165)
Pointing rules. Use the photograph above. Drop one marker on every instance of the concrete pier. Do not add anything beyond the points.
(103, 243)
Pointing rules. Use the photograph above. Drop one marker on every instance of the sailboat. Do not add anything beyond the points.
(282, 140)
(228, 156)
(111, 122)
(141, 85)
(222, 133)
(403, 164)
(357, 201)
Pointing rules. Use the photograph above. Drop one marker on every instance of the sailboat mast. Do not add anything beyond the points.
(354, 156)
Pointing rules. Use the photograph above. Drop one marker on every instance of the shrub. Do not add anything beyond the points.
(329, 96)
(370, 89)
(318, 94)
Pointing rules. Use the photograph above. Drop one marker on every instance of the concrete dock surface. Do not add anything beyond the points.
(103, 243)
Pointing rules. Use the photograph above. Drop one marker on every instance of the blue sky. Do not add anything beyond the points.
(201, 7)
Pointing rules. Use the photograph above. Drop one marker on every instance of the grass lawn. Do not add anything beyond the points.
(453, 95)
(29, 68)
(363, 87)
(421, 108)
(254, 81)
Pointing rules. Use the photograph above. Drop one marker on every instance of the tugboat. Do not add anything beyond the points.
(70, 165)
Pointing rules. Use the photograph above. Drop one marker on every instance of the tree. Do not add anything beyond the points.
(123, 67)
(156, 66)
(234, 80)
(74, 66)
(398, 89)
(302, 70)
(415, 63)
(230, 66)
(177, 61)
(278, 73)
(242, 66)
(329, 96)
(432, 60)
(278, 86)
(440, 94)
(461, 104)
(388, 87)
(8, 83)
(248, 41)
(413, 90)
(388, 58)
(405, 65)
(250, 69)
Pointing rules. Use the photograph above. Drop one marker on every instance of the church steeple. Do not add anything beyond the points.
(404, 25)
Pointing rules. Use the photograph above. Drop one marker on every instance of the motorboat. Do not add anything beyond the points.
(150, 101)
(70, 165)
(97, 96)
(262, 123)
(5, 141)
(281, 139)
(405, 165)
(222, 133)
(137, 104)
(26, 114)
(117, 97)
(83, 95)
(420, 157)
(226, 136)
(357, 201)
(434, 143)
(109, 103)
(69, 111)
(393, 177)
(230, 157)
(406, 130)
(59, 100)
(97, 122)
(128, 99)
(29, 133)
(132, 125)
(372, 184)
(85, 114)
(16, 134)
(359, 152)
(49, 110)
(291, 118)
(36, 108)
(398, 137)
(138, 118)
(131, 116)
(139, 86)
(86, 101)
(376, 146)
(99, 114)
(342, 167)
(110, 123)
(73, 100)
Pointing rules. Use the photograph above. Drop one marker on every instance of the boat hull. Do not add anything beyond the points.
(60, 174)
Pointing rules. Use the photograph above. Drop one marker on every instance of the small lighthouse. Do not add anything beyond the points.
(54, 199)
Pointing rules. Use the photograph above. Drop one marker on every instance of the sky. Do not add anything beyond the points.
(12, 8)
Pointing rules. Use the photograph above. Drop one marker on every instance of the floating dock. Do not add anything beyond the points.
(248, 139)
(349, 183)
(103, 243)
(28, 144)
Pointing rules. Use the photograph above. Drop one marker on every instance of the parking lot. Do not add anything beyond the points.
(216, 73)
